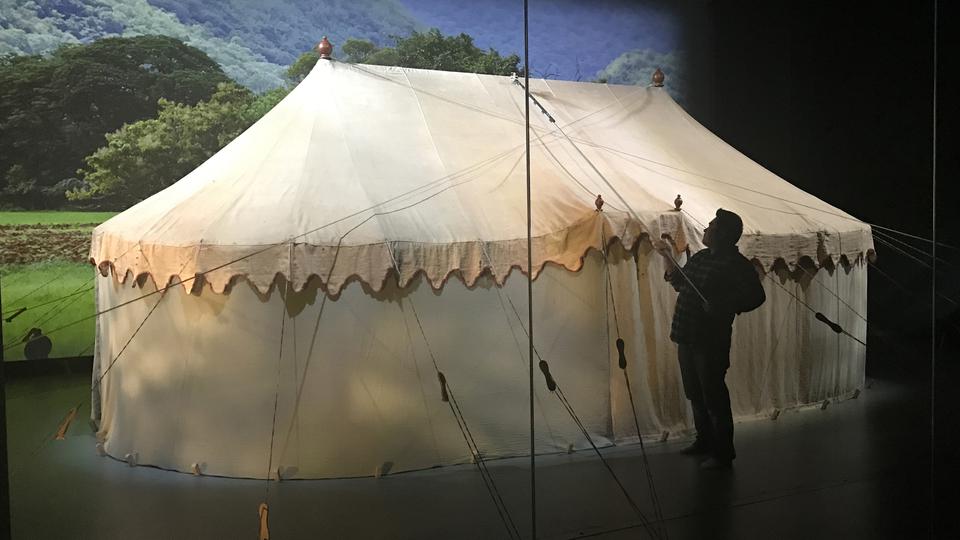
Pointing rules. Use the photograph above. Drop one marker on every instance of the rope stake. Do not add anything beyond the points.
(263, 513)
(65, 424)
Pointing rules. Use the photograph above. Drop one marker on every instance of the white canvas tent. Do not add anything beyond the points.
(364, 233)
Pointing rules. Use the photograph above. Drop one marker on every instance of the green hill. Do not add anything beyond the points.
(252, 41)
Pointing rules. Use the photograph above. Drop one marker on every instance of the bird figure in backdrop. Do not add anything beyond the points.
(38, 346)
(599, 203)
(677, 203)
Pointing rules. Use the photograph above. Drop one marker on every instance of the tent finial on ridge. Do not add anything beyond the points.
(658, 78)
(325, 48)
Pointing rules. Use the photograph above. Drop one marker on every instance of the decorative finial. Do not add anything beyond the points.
(599, 203)
(325, 48)
(658, 78)
(677, 203)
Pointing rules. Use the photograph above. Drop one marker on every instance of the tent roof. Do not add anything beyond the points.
(361, 170)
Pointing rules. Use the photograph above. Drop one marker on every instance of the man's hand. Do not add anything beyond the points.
(706, 306)
(664, 249)
(668, 276)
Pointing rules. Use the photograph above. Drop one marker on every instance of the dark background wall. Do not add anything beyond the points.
(838, 98)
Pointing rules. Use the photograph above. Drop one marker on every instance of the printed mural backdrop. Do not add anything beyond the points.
(254, 42)
(103, 102)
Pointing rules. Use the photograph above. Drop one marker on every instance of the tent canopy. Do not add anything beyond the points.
(365, 170)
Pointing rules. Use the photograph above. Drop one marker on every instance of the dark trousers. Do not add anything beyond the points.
(703, 369)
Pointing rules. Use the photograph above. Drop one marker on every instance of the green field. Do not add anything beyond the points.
(43, 268)
(49, 287)
(53, 217)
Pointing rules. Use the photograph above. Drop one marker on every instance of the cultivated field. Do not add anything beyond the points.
(43, 268)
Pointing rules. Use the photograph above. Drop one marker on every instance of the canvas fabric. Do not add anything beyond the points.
(356, 388)
(305, 246)
(365, 170)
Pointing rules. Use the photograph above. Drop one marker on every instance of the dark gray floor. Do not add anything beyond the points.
(855, 470)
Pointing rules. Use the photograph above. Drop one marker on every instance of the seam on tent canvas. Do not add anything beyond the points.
(611, 297)
(472, 446)
(770, 360)
(474, 450)
(570, 139)
(433, 142)
(619, 196)
(728, 183)
(553, 156)
(364, 68)
(124, 348)
(306, 367)
(441, 98)
(181, 402)
(276, 402)
(500, 295)
(423, 392)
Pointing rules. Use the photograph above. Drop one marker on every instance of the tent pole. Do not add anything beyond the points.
(526, 117)
(4, 478)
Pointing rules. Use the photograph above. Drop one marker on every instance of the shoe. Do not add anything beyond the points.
(696, 449)
(712, 464)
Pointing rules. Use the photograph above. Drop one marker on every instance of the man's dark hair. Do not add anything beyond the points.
(729, 227)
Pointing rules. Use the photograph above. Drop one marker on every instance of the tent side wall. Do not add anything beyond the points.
(355, 389)
(781, 357)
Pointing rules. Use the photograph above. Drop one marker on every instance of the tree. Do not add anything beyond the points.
(56, 109)
(432, 50)
(301, 67)
(637, 67)
(358, 50)
(146, 156)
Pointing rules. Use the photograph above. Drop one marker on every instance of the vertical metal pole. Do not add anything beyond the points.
(526, 116)
(4, 478)
(933, 294)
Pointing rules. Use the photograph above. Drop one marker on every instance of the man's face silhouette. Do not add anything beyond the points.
(709, 233)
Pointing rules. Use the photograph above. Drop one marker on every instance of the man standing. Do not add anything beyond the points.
(715, 285)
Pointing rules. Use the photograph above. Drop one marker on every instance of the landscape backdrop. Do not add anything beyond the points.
(254, 42)
(105, 102)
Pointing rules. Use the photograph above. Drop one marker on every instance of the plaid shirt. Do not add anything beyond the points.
(731, 286)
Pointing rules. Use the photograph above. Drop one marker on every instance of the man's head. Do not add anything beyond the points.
(724, 230)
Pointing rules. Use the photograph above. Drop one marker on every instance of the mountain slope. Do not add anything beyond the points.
(253, 41)
(569, 39)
